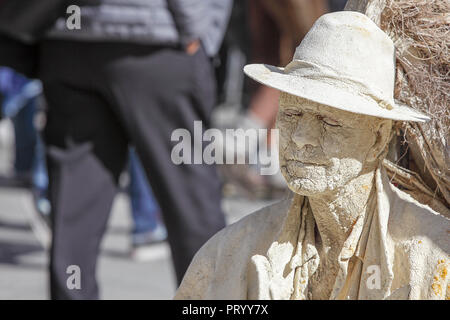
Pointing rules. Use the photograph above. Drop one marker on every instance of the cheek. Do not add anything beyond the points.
(343, 144)
(343, 170)
(285, 131)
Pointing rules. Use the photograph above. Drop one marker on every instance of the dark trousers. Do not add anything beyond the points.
(102, 97)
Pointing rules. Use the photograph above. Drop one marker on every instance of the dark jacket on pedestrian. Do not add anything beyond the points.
(155, 22)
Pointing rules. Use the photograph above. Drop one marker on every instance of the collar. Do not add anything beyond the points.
(291, 260)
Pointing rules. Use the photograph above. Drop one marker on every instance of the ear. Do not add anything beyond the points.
(383, 137)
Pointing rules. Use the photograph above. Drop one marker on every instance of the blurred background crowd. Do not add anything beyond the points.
(86, 116)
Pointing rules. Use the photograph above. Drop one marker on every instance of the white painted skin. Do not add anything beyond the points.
(323, 148)
(330, 156)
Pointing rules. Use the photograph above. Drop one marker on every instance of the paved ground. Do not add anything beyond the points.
(23, 261)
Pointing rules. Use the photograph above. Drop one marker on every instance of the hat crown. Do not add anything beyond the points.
(351, 45)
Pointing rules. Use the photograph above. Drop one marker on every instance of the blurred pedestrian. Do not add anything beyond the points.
(133, 72)
(20, 104)
(276, 28)
(128, 77)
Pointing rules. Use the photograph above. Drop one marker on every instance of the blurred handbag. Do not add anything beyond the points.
(28, 20)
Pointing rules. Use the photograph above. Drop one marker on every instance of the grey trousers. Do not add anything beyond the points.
(102, 97)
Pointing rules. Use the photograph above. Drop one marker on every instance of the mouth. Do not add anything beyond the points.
(303, 163)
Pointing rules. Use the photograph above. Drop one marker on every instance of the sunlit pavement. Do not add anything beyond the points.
(23, 261)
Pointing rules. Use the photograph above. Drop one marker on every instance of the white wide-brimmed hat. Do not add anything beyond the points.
(345, 61)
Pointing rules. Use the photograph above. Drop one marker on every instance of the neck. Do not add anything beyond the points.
(337, 212)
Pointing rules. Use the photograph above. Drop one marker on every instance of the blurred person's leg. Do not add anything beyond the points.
(87, 152)
(40, 178)
(276, 28)
(290, 20)
(148, 226)
(25, 138)
(265, 43)
(30, 154)
(293, 18)
(262, 105)
(157, 93)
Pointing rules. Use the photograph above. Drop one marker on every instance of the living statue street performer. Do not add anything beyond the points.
(345, 232)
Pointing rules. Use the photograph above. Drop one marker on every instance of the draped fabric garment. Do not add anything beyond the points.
(399, 250)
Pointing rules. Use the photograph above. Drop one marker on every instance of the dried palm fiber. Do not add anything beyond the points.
(420, 30)
(412, 183)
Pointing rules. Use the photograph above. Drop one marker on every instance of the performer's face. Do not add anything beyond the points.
(323, 148)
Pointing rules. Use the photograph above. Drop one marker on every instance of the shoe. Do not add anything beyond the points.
(158, 234)
(42, 204)
(144, 243)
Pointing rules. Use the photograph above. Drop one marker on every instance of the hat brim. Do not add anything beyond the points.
(328, 94)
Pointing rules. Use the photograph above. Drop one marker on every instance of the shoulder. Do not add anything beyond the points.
(411, 219)
(240, 240)
(420, 238)
(260, 224)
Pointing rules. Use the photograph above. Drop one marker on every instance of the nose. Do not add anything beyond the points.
(307, 132)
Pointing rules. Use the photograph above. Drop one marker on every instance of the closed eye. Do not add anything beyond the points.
(292, 113)
(329, 121)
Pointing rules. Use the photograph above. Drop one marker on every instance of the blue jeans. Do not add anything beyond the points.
(20, 105)
(30, 150)
(145, 209)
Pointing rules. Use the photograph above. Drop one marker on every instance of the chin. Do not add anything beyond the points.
(301, 187)
(305, 186)
(314, 180)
